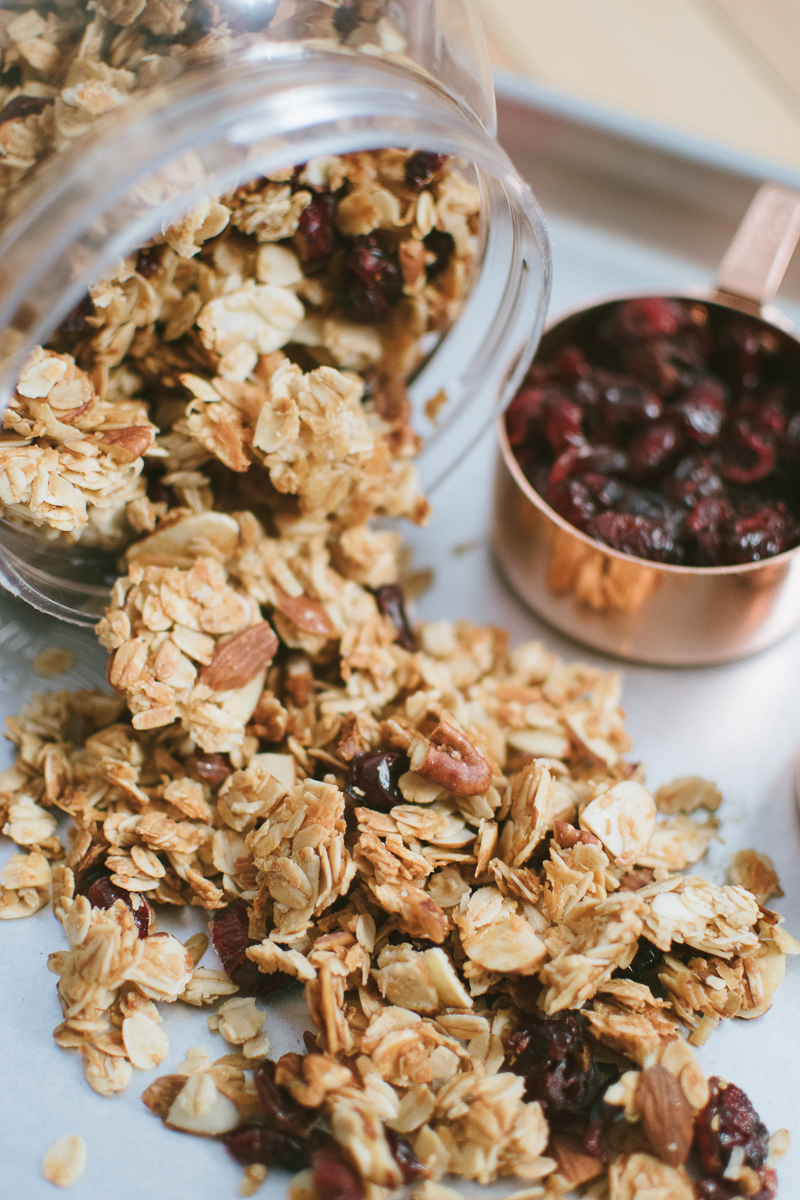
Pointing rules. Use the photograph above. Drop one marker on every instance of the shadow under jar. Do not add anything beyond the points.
(674, 611)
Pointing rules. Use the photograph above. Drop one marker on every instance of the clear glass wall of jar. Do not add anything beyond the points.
(117, 122)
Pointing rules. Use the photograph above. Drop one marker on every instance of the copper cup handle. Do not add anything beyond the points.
(762, 247)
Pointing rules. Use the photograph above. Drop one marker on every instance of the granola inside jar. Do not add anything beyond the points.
(235, 238)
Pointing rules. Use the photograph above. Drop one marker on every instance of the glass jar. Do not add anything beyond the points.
(122, 117)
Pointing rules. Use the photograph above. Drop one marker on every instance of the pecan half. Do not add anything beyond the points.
(128, 444)
(666, 1115)
(238, 660)
(458, 766)
(307, 614)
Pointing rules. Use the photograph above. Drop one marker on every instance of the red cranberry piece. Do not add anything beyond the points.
(315, 228)
(563, 425)
(23, 106)
(372, 779)
(729, 1120)
(559, 1070)
(148, 261)
(441, 244)
(102, 893)
(570, 366)
(421, 169)
(745, 348)
(707, 522)
(644, 537)
(389, 599)
(230, 937)
(626, 403)
(283, 1111)
(748, 457)
(724, 1189)
(525, 410)
(701, 412)
(609, 493)
(403, 1153)
(693, 478)
(649, 317)
(572, 500)
(752, 536)
(75, 323)
(335, 1178)
(646, 963)
(573, 460)
(257, 1144)
(652, 448)
(375, 283)
(210, 768)
(346, 18)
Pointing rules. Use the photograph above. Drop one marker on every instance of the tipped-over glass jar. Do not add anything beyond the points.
(256, 254)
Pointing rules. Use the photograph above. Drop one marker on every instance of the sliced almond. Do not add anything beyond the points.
(242, 657)
(307, 614)
(200, 1108)
(666, 1115)
(161, 1094)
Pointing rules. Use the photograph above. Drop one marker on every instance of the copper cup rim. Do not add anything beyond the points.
(770, 316)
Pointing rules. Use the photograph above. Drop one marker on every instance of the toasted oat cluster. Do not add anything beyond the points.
(440, 840)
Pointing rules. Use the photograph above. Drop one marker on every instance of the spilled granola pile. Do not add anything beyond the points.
(439, 839)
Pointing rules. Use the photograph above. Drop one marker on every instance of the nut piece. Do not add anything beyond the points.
(666, 1115)
(575, 1166)
(240, 659)
(755, 872)
(65, 1161)
(200, 1108)
(309, 615)
(458, 766)
(688, 793)
(623, 818)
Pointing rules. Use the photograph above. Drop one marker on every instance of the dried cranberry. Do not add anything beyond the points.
(23, 106)
(372, 779)
(403, 1153)
(231, 940)
(421, 169)
(573, 500)
(694, 478)
(209, 768)
(652, 448)
(559, 1070)
(442, 245)
(708, 521)
(563, 425)
(315, 229)
(650, 317)
(257, 1144)
(159, 493)
(375, 283)
(701, 411)
(645, 965)
(334, 1178)
(609, 493)
(744, 350)
(626, 403)
(761, 534)
(748, 456)
(282, 1110)
(104, 894)
(643, 537)
(570, 365)
(389, 599)
(148, 261)
(346, 18)
(729, 1120)
(75, 323)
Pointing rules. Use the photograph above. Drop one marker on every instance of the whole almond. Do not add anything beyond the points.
(574, 1164)
(309, 615)
(238, 660)
(666, 1115)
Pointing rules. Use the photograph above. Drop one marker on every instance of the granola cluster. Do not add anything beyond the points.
(439, 839)
(253, 355)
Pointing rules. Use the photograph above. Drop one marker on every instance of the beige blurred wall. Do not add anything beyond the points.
(722, 69)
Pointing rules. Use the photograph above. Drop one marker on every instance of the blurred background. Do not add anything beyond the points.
(728, 70)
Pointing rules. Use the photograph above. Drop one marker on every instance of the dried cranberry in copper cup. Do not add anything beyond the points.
(632, 607)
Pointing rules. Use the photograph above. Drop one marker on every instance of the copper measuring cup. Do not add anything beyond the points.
(630, 607)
